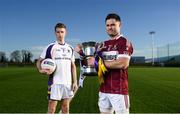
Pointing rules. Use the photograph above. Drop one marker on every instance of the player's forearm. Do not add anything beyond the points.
(74, 75)
(38, 64)
(117, 64)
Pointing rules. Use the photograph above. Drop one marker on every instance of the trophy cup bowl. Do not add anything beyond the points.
(88, 50)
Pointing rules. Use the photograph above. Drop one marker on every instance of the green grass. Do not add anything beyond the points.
(22, 90)
(155, 90)
(152, 90)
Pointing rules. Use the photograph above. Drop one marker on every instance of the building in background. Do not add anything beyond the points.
(137, 59)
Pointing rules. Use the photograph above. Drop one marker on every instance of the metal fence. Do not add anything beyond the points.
(168, 52)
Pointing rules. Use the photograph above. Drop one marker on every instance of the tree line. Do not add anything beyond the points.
(17, 56)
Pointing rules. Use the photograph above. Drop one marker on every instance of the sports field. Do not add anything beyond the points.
(152, 90)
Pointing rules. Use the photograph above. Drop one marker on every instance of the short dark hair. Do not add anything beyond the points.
(113, 16)
(60, 25)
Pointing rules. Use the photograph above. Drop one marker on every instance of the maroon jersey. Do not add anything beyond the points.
(116, 80)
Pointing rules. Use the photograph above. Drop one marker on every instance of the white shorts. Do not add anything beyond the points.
(59, 91)
(113, 102)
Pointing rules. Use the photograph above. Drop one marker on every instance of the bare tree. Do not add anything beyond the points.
(21, 56)
(29, 56)
(16, 56)
(26, 56)
(3, 57)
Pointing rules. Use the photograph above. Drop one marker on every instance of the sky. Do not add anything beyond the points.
(29, 24)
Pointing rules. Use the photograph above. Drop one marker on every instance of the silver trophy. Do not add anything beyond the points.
(89, 51)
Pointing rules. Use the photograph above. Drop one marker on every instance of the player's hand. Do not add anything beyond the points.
(74, 87)
(45, 71)
(78, 48)
(90, 61)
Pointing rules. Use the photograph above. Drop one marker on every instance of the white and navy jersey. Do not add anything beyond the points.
(63, 55)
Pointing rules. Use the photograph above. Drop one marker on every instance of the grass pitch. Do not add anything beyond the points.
(152, 90)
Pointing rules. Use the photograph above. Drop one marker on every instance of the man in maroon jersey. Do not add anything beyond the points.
(113, 93)
(115, 54)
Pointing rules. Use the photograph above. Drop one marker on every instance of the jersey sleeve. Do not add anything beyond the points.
(43, 54)
(72, 55)
(126, 49)
(47, 52)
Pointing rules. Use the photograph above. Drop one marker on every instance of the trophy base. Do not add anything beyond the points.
(89, 71)
(90, 74)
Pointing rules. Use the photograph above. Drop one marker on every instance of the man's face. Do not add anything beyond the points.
(112, 27)
(60, 33)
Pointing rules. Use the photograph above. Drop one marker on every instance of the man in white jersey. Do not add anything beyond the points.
(63, 82)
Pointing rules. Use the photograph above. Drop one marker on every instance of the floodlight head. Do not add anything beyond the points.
(152, 32)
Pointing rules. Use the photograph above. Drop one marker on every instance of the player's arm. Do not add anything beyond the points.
(74, 76)
(120, 63)
(38, 64)
(123, 58)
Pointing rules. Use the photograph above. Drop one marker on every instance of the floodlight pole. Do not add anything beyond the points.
(152, 37)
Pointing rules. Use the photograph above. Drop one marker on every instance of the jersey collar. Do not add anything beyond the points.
(60, 43)
(116, 37)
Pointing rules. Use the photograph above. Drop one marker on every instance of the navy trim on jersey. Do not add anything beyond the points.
(48, 52)
(48, 55)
